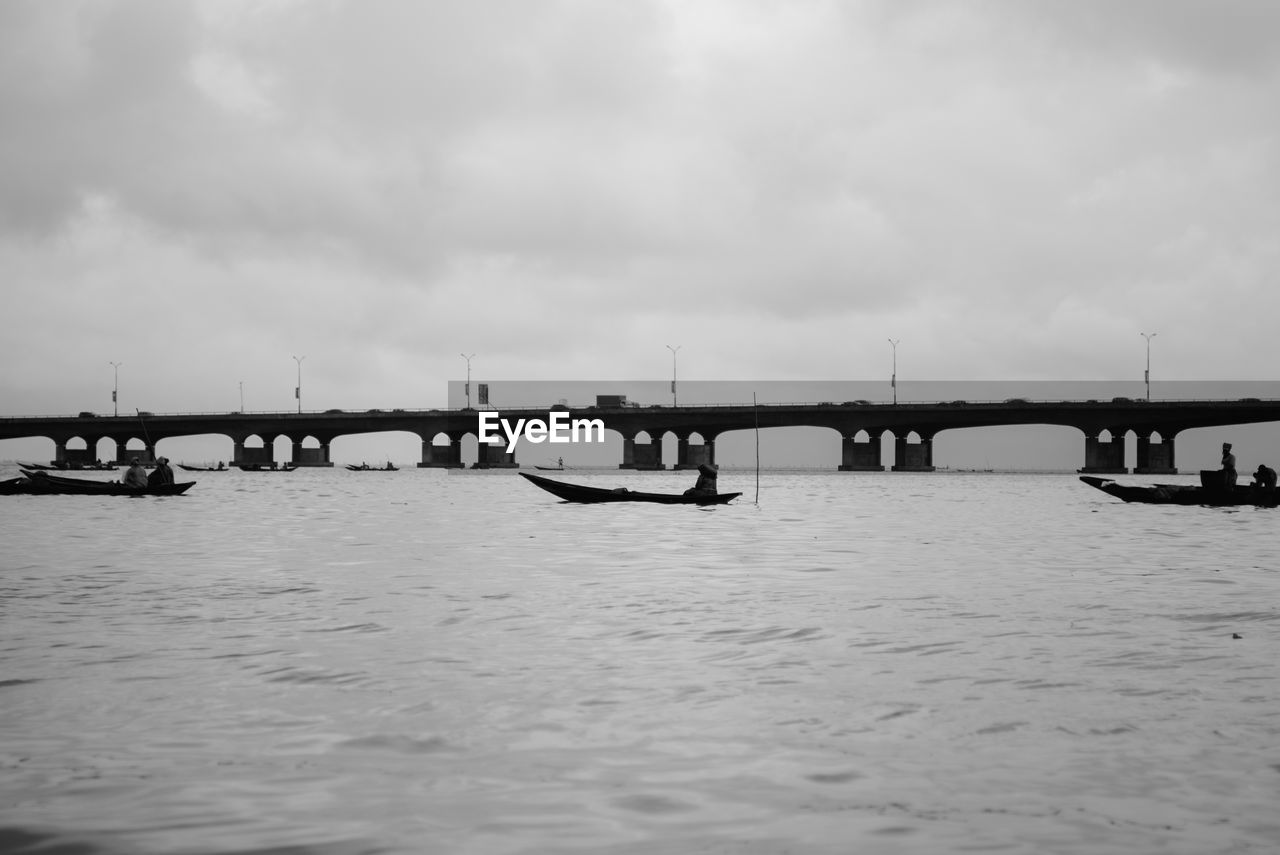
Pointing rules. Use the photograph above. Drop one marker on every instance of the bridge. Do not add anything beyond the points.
(861, 426)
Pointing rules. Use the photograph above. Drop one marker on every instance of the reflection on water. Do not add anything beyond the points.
(324, 663)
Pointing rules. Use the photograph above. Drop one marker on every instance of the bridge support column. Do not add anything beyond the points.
(494, 456)
(913, 456)
(860, 456)
(311, 456)
(641, 455)
(441, 456)
(690, 456)
(242, 455)
(1104, 457)
(1155, 458)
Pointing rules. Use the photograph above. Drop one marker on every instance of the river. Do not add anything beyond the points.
(327, 662)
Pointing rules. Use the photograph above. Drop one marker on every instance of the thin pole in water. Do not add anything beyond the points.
(756, 411)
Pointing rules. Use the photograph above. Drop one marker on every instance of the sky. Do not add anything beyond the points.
(223, 196)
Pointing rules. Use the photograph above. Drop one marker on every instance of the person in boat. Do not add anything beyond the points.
(1265, 477)
(161, 475)
(706, 484)
(135, 475)
(221, 466)
(1228, 466)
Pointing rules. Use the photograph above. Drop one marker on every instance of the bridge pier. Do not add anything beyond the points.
(692, 456)
(860, 456)
(641, 455)
(1104, 457)
(1155, 458)
(441, 456)
(494, 456)
(913, 456)
(241, 455)
(311, 456)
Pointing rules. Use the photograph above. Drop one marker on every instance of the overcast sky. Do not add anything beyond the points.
(203, 191)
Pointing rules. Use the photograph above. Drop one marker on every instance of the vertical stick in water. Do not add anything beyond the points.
(755, 410)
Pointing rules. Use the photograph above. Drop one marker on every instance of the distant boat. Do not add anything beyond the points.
(598, 495)
(218, 468)
(365, 467)
(262, 467)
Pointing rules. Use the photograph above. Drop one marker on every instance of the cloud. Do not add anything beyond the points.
(567, 187)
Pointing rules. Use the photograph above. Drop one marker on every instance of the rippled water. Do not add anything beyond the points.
(329, 663)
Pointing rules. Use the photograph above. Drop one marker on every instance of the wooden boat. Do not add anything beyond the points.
(595, 495)
(42, 483)
(365, 467)
(262, 467)
(1186, 494)
(549, 468)
(202, 468)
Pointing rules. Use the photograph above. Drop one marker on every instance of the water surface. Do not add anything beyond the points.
(328, 662)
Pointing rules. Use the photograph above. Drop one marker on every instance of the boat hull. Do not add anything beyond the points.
(1185, 494)
(41, 483)
(599, 495)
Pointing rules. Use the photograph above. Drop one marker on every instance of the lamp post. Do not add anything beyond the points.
(297, 390)
(115, 390)
(1146, 375)
(893, 378)
(673, 372)
(242, 396)
(467, 388)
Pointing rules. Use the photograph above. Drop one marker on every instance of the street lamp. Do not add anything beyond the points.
(467, 388)
(673, 372)
(115, 390)
(1146, 375)
(242, 396)
(893, 378)
(297, 390)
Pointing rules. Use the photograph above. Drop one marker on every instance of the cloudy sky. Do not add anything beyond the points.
(202, 191)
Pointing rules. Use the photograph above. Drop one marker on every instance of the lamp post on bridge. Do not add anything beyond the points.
(242, 396)
(467, 387)
(673, 372)
(297, 390)
(1146, 375)
(893, 378)
(115, 390)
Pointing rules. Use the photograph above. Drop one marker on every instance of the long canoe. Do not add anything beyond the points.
(595, 495)
(42, 483)
(1185, 494)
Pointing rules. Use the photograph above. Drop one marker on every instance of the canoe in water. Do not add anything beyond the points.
(596, 495)
(1185, 494)
(41, 483)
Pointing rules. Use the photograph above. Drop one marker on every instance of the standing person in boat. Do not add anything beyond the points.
(135, 475)
(1265, 477)
(706, 485)
(161, 475)
(1228, 466)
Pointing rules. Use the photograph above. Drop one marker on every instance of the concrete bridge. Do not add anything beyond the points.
(861, 425)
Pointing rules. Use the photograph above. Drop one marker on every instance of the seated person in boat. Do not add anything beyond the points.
(1265, 477)
(706, 484)
(161, 475)
(1228, 466)
(135, 475)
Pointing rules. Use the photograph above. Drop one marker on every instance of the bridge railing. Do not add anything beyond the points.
(634, 406)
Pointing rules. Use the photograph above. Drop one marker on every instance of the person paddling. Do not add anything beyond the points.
(1228, 466)
(706, 484)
